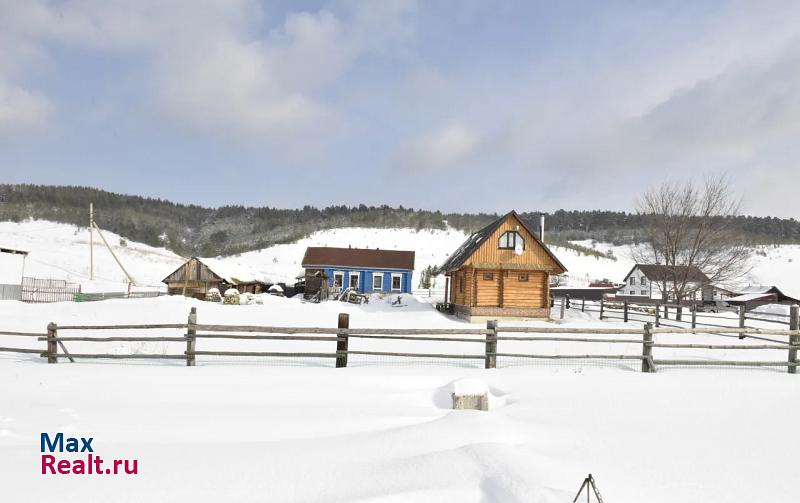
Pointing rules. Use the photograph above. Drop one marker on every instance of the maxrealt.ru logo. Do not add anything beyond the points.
(87, 462)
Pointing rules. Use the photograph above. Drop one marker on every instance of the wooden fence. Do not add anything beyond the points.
(491, 340)
(666, 314)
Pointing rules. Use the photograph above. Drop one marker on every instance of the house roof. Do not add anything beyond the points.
(476, 239)
(660, 272)
(230, 271)
(358, 257)
(757, 292)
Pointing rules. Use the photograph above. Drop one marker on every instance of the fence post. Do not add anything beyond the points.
(563, 303)
(583, 305)
(658, 315)
(647, 349)
(694, 316)
(601, 308)
(666, 312)
(191, 331)
(52, 347)
(342, 341)
(794, 324)
(625, 311)
(679, 313)
(491, 344)
(741, 316)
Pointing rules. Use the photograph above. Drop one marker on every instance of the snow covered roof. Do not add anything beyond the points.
(661, 272)
(234, 272)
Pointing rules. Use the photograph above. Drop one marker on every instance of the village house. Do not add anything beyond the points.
(198, 275)
(655, 281)
(502, 270)
(330, 270)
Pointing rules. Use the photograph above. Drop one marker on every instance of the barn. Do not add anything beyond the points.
(197, 275)
(503, 270)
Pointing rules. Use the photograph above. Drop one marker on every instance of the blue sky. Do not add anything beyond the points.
(464, 106)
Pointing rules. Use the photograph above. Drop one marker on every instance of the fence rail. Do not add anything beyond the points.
(193, 333)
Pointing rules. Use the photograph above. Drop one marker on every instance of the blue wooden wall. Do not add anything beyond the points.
(365, 279)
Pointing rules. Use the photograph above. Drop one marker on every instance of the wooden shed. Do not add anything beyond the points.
(197, 275)
(503, 270)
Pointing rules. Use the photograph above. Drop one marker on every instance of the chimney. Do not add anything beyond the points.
(541, 229)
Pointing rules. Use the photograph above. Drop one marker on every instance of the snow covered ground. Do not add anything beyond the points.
(381, 430)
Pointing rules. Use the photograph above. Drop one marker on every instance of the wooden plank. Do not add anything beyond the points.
(732, 363)
(418, 355)
(115, 356)
(571, 339)
(349, 331)
(571, 357)
(265, 337)
(24, 334)
(278, 354)
(20, 350)
(725, 346)
(122, 327)
(416, 338)
(119, 339)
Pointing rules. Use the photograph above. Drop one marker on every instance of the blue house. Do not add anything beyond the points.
(365, 270)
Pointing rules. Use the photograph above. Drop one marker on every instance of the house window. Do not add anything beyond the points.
(523, 277)
(633, 280)
(338, 279)
(397, 282)
(511, 240)
(644, 292)
(643, 281)
(377, 281)
(460, 281)
(353, 280)
(488, 276)
(633, 292)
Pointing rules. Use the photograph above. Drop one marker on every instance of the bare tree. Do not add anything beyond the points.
(687, 228)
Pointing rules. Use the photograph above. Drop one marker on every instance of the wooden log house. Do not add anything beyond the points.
(503, 270)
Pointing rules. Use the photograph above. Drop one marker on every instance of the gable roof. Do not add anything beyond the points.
(660, 272)
(229, 271)
(476, 239)
(358, 257)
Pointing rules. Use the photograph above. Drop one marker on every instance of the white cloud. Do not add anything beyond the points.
(441, 149)
(21, 109)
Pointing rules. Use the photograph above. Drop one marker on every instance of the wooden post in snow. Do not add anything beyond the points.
(625, 311)
(52, 347)
(741, 316)
(491, 344)
(583, 304)
(794, 324)
(191, 341)
(601, 308)
(342, 341)
(647, 349)
(658, 315)
(694, 316)
(563, 303)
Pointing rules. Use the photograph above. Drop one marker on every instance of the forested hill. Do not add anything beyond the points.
(190, 229)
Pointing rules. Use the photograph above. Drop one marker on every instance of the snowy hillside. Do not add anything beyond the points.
(61, 251)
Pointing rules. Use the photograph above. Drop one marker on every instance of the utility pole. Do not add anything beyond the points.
(91, 241)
